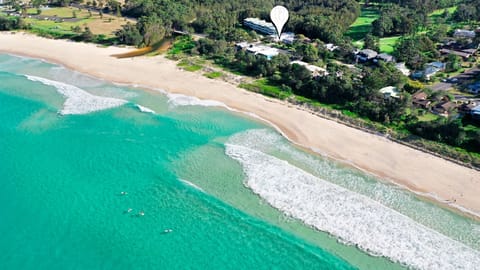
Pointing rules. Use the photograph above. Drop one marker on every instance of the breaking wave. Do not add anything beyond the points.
(77, 100)
(144, 109)
(183, 100)
(353, 218)
(192, 185)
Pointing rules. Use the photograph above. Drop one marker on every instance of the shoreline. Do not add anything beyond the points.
(428, 176)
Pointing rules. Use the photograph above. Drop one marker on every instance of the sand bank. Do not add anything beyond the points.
(430, 176)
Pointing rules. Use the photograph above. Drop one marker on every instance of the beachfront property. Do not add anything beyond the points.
(258, 49)
(315, 70)
(261, 26)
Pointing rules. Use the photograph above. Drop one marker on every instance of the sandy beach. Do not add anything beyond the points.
(434, 178)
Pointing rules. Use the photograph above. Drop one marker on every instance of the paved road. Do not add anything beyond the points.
(441, 86)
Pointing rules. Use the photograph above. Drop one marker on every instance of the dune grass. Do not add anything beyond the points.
(213, 74)
(183, 44)
(190, 65)
(265, 87)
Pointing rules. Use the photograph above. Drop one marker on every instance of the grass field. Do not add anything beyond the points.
(363, 24)
(438, 13)
(105, 25)
(427, 117)
(387, 45)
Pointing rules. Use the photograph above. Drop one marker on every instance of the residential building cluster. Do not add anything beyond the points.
(446, 107)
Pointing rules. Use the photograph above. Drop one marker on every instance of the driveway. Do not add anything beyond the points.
(456, 80)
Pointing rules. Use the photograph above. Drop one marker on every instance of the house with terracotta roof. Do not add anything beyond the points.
(419, 99)
(444, 108)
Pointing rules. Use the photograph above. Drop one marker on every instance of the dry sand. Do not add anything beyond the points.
(425, 174)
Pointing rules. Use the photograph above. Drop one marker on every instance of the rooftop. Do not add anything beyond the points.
(464, 33)
(390, 91)
(402, 68)
(260, 25)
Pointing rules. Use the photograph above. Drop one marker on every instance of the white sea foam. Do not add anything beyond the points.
(355, 219)
(190, 184)
(144, 109)
(77, 100)
(183, 100)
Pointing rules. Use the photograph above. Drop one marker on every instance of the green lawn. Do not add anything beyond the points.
(387, 45)
(99, 25)
(427, 117)
(437, 13)
(54, 28)
(363, 24)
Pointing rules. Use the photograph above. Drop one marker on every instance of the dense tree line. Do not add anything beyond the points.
(415, 51)
(356, 90)
(11, 23)
(324, 19)
(395, 20)
(441, 130)
(427, 5)
(468, 10)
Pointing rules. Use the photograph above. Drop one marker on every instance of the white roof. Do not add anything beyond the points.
(465, 33)
(270, 52)
(330, 46)
(390, 91)
(402, 68)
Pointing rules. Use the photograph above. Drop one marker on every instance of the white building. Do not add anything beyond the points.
(287, 37)
(460, 33)
(390, 92)
(331, 47)
(263, 50)
(260, 25)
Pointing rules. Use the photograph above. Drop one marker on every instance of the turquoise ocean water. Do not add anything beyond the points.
(206, 179)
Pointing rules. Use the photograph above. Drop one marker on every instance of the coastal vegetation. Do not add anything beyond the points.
(411, 31)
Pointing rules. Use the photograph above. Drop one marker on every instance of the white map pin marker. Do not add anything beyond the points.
(279, 16)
